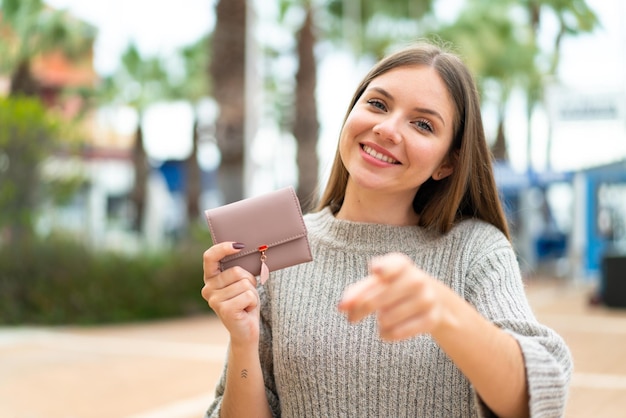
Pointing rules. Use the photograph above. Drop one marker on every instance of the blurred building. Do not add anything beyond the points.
(97, 150)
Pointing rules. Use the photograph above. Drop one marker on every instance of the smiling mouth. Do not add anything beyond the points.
(373, 153)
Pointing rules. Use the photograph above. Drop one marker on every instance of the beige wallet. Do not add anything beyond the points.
(270, 226)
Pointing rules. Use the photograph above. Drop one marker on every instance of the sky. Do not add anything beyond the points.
(591, 66)
(156, 26)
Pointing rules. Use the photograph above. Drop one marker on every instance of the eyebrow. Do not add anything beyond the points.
(419, 109)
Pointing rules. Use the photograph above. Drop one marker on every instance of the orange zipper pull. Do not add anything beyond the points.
(265, 271)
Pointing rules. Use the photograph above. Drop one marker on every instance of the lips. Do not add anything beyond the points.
(379, 156)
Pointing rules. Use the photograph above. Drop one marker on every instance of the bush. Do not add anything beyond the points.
(27, 135)
(59, 281)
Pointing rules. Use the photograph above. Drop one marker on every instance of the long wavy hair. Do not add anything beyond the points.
(470, 191)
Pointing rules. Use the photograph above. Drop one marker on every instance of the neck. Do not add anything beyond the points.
(379, 208)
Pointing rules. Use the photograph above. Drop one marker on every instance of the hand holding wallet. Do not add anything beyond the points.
(271, 227)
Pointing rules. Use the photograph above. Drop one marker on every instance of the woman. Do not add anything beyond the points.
(413, 304)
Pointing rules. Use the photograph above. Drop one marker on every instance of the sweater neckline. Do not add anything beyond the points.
(324, 226)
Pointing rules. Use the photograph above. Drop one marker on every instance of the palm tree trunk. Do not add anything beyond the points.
(141, 168)
(227, 70)
(499, 147)
(22, 81)
(306, 124)
(193, 181)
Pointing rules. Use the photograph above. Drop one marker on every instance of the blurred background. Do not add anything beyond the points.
(121, 121)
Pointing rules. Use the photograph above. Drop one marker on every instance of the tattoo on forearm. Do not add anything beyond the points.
(244, 374)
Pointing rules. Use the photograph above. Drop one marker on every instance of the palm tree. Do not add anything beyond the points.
(193, 86)
(306, 124)
(504, 53)
(227, 71)
(495, 49)
(30, 29)
(575, 17)
(138, 82)
(371, 27)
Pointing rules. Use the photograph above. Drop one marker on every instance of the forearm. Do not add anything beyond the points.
(244, 394)
(490, 358)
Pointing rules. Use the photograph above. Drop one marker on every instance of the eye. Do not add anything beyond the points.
(377, 104)
(424, 124)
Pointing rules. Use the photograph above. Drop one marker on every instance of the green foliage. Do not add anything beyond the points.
(191, 82)
(30, 28)
(141, 81)
(27, 136)
(496, 48)
(373, 27)
(59, 281)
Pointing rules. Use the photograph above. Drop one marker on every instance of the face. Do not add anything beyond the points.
(399, 132)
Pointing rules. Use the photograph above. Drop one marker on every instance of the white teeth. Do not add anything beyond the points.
(378, 155)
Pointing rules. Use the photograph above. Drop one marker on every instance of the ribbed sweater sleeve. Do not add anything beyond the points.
(496, 289)
(317, 364)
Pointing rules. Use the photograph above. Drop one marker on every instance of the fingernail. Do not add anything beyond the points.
(238, 245)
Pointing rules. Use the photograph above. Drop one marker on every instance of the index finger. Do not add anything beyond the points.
(389, 266)
(213, 256)
(361, 299)
(356, 291)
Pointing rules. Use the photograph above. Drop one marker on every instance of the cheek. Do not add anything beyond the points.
(344, 146)
(426, 153)
(356, 123)
(348, 134)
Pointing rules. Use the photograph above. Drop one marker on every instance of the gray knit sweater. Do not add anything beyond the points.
(317, 364)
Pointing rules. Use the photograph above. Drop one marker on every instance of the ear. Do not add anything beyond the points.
(444, 170)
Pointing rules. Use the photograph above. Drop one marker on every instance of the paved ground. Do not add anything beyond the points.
(168, 369)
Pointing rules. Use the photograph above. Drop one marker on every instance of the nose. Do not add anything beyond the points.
(388, 129)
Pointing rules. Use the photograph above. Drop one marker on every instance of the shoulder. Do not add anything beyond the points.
(312, 217)
(320, 220)
(477, 227)
(480, 234)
